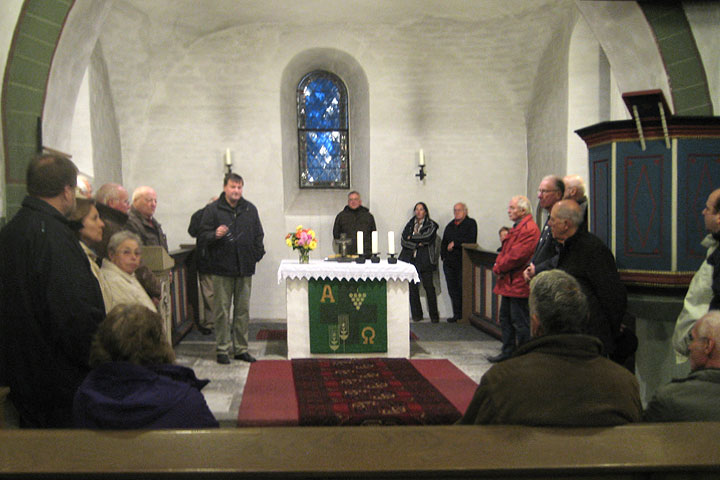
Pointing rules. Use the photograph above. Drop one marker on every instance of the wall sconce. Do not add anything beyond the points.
(228, 161)
(421, 165)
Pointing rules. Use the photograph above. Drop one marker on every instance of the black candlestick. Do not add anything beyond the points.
(391, 258)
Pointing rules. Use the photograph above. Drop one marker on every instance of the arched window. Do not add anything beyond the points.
(322, 123)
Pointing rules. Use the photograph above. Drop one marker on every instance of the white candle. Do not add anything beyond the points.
(359, 243)
(421, 157)
(374, 242)
(391, 243)
(228, 158)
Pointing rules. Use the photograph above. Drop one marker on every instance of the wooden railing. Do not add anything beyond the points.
(480, 305)
(183, 293)
(667, 451)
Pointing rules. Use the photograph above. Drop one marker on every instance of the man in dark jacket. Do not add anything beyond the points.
(355, 218)
(113, 204)
(559, 378)
(232, 231)
(462, 229)
(585, 257)
(550, 191)
(50, 301)
(205, 324)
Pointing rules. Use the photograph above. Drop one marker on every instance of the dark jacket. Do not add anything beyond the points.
(690, 399)
(556, 380)
(121, 395)
(517, 249)
(464, 232)
(349, 222)
(420, 248)
(149, 231)
(50, 307)
(114, 221)
(585, 257)
(235, 254)
(202, 257)
(545, 256)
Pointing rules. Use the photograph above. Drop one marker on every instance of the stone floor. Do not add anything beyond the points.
(461, 343)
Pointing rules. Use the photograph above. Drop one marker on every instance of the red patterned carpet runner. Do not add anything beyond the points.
(373, 391)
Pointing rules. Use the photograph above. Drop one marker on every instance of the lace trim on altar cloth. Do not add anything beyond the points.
(316, 269)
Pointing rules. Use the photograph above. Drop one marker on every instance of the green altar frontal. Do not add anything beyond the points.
(347, 316)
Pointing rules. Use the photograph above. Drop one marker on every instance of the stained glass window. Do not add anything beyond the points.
(323, 131)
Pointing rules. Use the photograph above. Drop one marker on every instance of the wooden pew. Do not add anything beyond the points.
(644, 451)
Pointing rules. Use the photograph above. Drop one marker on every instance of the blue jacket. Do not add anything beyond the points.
(235, 254)
(122, 395)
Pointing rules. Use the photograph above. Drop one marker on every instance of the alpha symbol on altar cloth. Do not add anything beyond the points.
(327, 293)
(357, 299)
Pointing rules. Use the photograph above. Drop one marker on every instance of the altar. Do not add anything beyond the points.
(347, 310)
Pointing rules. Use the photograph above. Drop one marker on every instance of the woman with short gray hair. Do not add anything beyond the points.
(118, 270)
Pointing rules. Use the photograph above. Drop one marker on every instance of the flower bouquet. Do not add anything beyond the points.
(303, 240)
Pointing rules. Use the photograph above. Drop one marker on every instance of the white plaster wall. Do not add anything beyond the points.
(445, 86)
(629, 44)
(704, 19)
(70, 63)
(80, 139)
(547, 119)
(107, 153)
(9, 12)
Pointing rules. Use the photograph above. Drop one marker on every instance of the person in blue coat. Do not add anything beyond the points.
(135, 383)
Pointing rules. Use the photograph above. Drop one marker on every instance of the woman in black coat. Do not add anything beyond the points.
(419, 247)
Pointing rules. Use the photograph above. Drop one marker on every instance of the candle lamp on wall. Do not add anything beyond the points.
(421, 165)
(228, 162)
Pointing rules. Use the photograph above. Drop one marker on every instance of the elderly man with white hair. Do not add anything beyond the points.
(141, 220)
(695, 397)
(515, 254)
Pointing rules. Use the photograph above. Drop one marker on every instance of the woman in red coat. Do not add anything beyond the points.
(516, 253)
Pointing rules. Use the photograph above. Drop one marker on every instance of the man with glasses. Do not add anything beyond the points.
(550, 191)
(695, 397)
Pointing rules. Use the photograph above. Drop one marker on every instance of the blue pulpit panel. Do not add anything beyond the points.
(644, 206)
(601, 191)
(698, 176)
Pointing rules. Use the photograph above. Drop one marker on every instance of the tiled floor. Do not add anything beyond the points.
(461, 343)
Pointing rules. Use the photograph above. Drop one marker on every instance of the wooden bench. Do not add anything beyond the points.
(679, 450)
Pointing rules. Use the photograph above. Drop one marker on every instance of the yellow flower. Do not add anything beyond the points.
(288, 240)
(298, 229)
(313, 245)
(311, 232)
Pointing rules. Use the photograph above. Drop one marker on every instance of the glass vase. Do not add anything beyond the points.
(304, 256)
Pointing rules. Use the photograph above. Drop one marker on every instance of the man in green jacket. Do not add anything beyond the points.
(695, 397)
(559, 378)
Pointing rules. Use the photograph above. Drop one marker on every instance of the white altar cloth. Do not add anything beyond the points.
(399, 271)
(397, 276)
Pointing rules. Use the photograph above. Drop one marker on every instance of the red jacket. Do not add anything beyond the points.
(517, 251)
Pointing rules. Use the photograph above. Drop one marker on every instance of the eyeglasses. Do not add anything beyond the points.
(542, 191)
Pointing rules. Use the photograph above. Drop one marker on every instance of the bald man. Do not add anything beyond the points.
(461, 229)
(695, 397)
(575, 190)
(587, 258)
